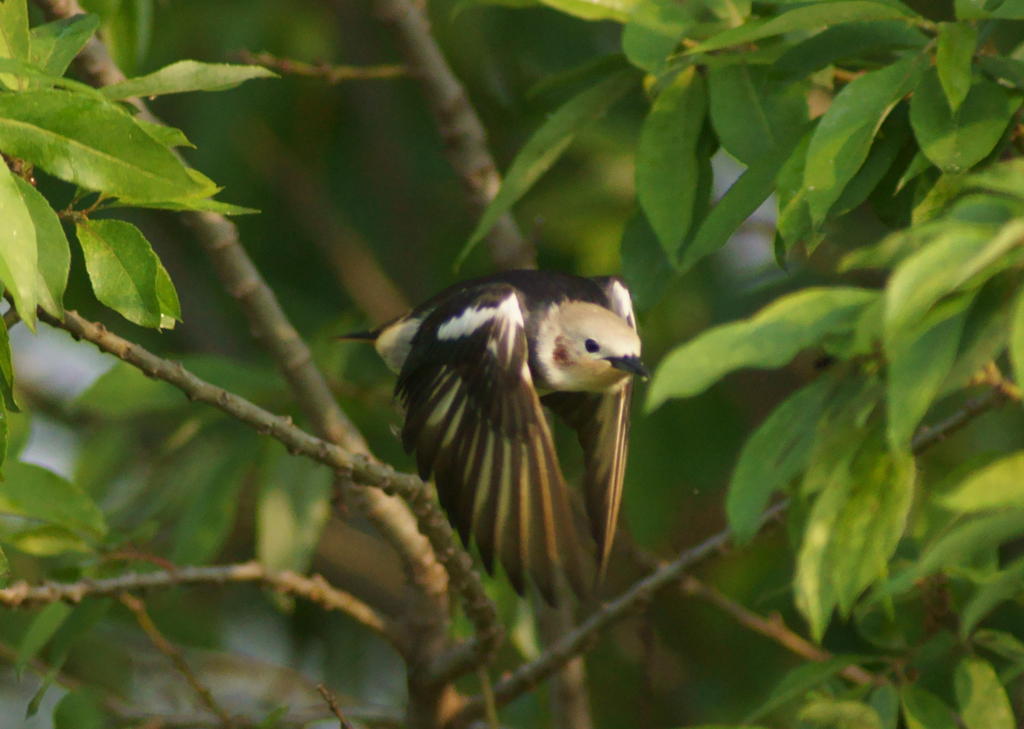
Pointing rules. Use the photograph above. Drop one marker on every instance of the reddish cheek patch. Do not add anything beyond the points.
(561, 354)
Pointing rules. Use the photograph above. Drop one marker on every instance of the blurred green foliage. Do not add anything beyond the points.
(817, 359)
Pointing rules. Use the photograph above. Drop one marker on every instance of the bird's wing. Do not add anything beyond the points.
(602, 426)
(475, 422)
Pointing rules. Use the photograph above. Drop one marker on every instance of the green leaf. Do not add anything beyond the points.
(126, 274)
(774, 455)
(186, 76)
(738, 203)
(924, 710)
(754, 113)
(53, 250)
(980, 695)
(1001, 643)
(890, 141)
(1017, 338)
(997, 485)
(654, 30)
(1004, 68)
(39, 632)
(14, 33)
(953, 60)
(805, 18)
(798, 681)
(843, 137)
(6, 386)
(955, 142)
(794, 217)
(886, 703)
(617, 10)
(1009, 10)
(992, 590)
(544, 148)
(959, 546)
(733, 12)
(846, 41)
(770, 338)
(55, 45)
(872, 520)
(666, 157)
(35, 493)
(198, 204)
(293, 507)
(1005, 177)
(918, 365)
(19, 271)
(91, 142)
(80, 709)
(852, 530)
(170, 137)
(961, 254)
(646, 268)
(836, 714)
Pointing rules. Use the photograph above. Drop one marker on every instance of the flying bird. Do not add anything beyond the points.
(475, 363)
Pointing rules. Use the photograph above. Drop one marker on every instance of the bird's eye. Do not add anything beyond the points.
(591, 345)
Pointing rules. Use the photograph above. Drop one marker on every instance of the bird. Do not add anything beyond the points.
(475, 364)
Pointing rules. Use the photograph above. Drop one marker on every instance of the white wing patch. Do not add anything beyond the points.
(622, 303)
(472, 319)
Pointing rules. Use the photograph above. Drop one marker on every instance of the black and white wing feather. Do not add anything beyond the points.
(474, 421)
(601, 422)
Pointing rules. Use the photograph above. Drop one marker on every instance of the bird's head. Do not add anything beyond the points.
(586, 347)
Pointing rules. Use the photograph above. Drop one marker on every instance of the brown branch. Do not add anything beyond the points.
(142, 617)
(423, 538)
(579, 639)
(332, 704)
(315, 589)
(774, 628)
(365, 470)
(465, 141)
(331, 74)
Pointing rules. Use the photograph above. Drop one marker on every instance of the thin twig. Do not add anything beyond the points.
(773, 627)
(576, 641)
(332, 703)
(328, 73)
(464, 137)
(478, 606)
(315, 589)
(163, 645)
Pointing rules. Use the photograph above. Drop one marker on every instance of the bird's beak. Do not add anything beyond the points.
(630, 364)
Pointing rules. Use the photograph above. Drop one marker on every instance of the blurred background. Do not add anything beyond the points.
(361, 215)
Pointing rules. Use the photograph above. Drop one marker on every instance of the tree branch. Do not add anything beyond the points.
(773, 628)
(465, 141)
(578, 640)
(365, 470)
(328, 73)
(315, 589)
